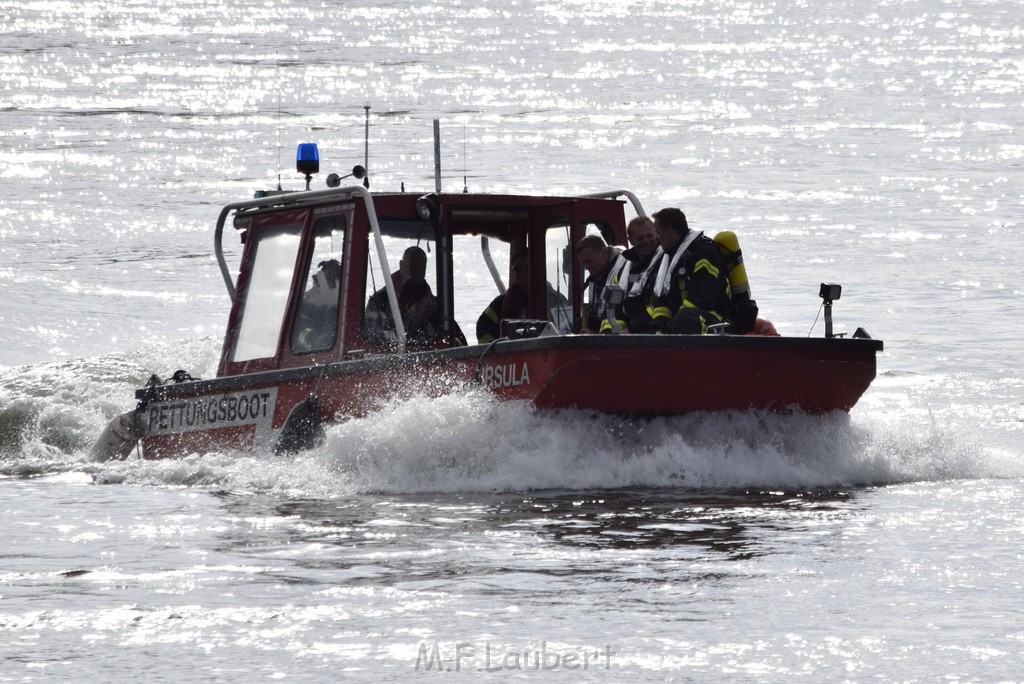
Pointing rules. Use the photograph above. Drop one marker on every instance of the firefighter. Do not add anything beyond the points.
(633, 271)
(597, 258)
(316, 321)
(515, 303)
(691, 287)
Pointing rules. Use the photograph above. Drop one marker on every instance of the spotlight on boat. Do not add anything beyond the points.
(829, 292)
(427, 207)
(334, 180)
(307, 160)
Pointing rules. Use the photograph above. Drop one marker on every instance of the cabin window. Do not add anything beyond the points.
(266, 297)
(316, 316)
(491, 269)
(558, 267)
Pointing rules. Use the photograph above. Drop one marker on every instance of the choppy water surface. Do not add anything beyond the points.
(877, 146)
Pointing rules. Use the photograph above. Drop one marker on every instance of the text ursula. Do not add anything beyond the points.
(505, 375)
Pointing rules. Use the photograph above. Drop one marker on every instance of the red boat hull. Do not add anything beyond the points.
(633, 375)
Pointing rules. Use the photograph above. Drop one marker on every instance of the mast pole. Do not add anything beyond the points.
(437, 155)
(366, 149)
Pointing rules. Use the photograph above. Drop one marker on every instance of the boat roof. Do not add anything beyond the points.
(493, 215)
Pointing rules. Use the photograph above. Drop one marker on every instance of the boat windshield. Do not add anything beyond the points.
(268, 288)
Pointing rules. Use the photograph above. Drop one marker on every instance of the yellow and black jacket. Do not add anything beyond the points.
(698, 280)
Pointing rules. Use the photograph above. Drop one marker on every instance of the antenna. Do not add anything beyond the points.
(437, 155)
(465, 186)
(366, 149)
(279, 125)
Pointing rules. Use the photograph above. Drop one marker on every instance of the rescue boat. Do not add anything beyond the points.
(297, 354)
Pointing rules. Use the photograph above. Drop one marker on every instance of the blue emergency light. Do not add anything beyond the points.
(307, 159)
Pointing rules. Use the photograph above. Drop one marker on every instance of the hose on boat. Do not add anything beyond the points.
(480, 361)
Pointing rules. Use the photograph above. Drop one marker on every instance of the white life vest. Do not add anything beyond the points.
(634, 283)
(668, 266)
(592, 292)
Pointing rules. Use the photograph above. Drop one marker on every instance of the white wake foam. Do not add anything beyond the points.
(471, 442)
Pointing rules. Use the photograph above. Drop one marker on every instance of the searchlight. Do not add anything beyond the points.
(829, 292)
(427, 207)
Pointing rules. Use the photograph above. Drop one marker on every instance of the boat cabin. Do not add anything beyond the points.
(324, 274)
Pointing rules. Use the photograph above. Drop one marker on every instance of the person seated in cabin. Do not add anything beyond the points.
(597, 258)
(691, 285)
(316, 321)
(421, 315)
(634, 271)
(514, 303)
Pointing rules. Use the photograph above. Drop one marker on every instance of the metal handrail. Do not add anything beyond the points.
(485, 249)
(615, 194)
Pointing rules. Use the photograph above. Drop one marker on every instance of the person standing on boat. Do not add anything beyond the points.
(691, 286)
(634, 270)
(597, 257)
(420, 312)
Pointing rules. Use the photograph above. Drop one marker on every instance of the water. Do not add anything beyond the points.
(876, 146)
